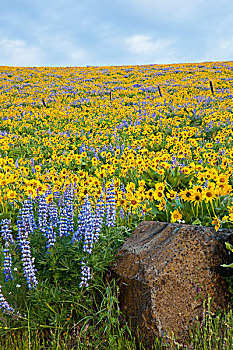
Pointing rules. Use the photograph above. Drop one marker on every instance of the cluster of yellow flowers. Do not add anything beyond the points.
(89, 125)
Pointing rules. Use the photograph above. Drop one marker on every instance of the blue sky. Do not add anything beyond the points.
(114, 32)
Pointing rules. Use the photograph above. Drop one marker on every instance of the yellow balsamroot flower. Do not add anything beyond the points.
(161, 205)
(196, 197)
(30, 191)
(49, 198)
(224, 189)
(209, 194)
(160, 171)
(94, 161)
(144, 208)
(231, 216)
(141, 183)
(160, 186)
(149, 194)
(217, 223)
(158, 194)
(186, 170)
(171, 194)
(130, 186)
(225, 218)
(11, 194)
(186, 195)
(176, 215)
(222, 179)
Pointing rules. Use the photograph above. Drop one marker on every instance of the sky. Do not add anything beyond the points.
(79, 33)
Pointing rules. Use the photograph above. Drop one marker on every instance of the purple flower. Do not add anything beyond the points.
(4, 304)
(63, 223)
(88, 227)
(8, 238)
(110, 206)
(85, 274)
(51, 236)
(28, 265)
(53, 214)
(42, 213)
(99, 217)
(68, 201)
(122, 213)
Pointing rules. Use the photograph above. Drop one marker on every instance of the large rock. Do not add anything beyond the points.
(164, 273)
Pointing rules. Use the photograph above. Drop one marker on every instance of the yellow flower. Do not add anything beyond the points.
(161, 205)
(176, 215)
(196, 197)
(11, 194)
(158, 194)
(186, 195)
(209, 194)
(216, 222)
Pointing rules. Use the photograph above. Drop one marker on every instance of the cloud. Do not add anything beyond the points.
(220, 50)
(169, 11)
(15, 52)
(148, 49)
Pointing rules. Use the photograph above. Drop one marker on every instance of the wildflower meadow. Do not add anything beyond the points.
(86, 154)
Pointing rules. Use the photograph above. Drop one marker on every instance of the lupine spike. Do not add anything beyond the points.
(53, 213)
(4, 304)
(99, 216)
(28, 265)
(42, 213)
(85, 274)
(51, 236)
(111, 206)
(63, 223)
(68, 201)
(8, 238)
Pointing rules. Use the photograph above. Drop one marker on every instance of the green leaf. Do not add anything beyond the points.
(224, 265)
(228, 246)
(196, 222)
(154, 210)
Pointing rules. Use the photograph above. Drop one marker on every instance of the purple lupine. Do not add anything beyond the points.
(85, 274)
(7, 264)
(8, 238)
(68, 200)
(78, 235)
(89, 228)
(51, 236)
(122, 188)
(63, 223)
(4, 304)
(53, 214)
(99, 217)
(6, 231)
(27, 212)
(42, 213)
(28, 265)
(110, 206)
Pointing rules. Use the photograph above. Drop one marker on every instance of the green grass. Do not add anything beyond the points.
(103, 328)
(60, 315)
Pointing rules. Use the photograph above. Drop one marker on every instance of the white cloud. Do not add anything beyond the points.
(19, 53)
(169, 10)
(151, 50)
(220, 50)
(76, 57)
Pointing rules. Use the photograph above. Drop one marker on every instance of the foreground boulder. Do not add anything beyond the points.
(165, 272)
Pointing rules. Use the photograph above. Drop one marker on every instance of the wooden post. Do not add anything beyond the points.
(159, 91)
(211, 87)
